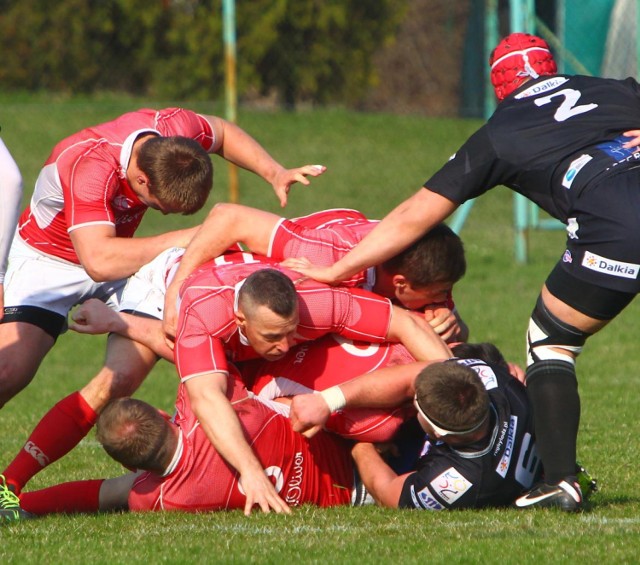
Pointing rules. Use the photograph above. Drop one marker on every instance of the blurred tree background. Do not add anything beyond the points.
(397, 55)
(401, 56)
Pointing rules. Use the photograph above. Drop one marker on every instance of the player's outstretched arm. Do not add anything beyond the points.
(220, 422)
(225, 225)
(379, 479)
(238, 147)
(383, 388)
(399, 229)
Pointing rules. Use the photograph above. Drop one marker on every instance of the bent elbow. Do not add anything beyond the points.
(96, 273)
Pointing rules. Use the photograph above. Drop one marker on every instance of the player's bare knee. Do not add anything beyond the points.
(549, 338)
(222, 210)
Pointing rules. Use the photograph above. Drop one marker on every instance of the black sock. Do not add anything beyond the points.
(553, 395)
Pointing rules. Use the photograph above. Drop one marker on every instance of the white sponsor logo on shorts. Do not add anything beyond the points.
(574, 169)
(450, 485)
(609, 266)
(572, 228)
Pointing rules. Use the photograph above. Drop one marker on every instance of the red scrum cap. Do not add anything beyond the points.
(516, 58)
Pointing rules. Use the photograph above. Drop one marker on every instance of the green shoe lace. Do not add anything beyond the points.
(588, 485)
(10, 510)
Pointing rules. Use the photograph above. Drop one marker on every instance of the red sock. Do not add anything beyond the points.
(77, 496)
(57, 433)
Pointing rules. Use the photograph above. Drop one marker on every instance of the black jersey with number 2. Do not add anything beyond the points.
(548, 140)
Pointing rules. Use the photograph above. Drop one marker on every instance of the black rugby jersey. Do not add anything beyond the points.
(548, 140)
(487, 474)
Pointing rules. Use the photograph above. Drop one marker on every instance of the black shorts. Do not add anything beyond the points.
(603, 234)
(592, 300)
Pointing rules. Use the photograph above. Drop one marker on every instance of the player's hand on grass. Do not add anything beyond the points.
(287, 177)
(95, 317)
(308, 413)
(260, 491)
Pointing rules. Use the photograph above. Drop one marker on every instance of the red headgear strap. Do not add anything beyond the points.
(516, 58)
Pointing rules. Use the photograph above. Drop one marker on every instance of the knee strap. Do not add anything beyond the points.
(547, 332)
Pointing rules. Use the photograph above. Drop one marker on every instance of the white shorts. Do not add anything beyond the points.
(39, 280)
(145, 290)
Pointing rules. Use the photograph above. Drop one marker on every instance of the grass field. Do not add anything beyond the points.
(374, 162)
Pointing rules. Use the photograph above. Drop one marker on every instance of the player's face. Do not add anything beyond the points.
(417, 298)
(269, 334)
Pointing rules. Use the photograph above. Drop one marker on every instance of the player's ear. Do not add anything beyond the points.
(142, 179)
(241, 319)
(399, 281)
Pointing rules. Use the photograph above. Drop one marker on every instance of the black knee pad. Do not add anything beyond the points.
(546, 332)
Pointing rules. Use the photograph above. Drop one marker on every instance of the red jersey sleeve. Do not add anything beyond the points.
(97, 192)
(204, 325)
(353, 313)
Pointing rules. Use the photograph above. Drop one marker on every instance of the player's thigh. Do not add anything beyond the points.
(603, 235)
(41, 290)
(22, 348)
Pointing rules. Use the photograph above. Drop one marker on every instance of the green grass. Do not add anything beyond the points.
(374, 162)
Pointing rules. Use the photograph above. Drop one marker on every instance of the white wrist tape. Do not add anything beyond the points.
(334, 398)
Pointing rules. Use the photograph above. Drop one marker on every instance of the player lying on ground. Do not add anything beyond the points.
(187, 474)
(183, 470)
(437, 259)
(432, 262)
(130, 358)
(421, 275)
(479, 449)
(298, 371)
